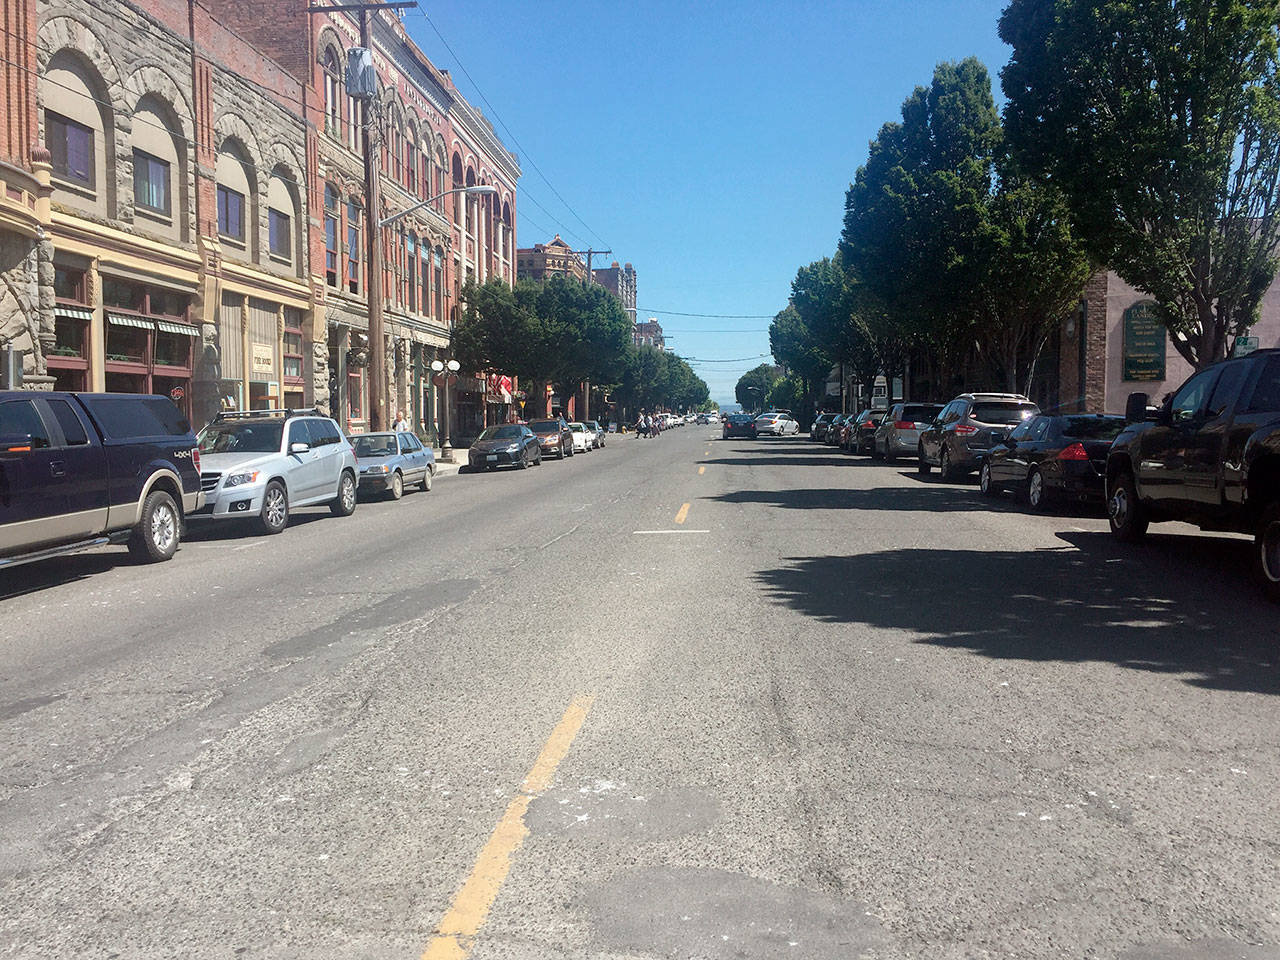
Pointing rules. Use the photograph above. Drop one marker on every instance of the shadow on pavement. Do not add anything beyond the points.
(30, 577)
(1175, 604)
(941, 500)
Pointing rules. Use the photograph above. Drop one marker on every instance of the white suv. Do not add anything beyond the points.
(263, 463)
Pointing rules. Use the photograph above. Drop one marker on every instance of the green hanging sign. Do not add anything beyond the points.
(1145, 344)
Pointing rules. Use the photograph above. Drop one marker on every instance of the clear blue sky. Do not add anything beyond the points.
(710, 144)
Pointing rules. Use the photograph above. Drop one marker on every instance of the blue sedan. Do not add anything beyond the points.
(389, 462)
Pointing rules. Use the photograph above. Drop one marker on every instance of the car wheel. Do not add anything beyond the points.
(1125, 512)
(426, 481)
(344, 504)
(1039, 497)
(1267, 552)
(275, 508)
(156, 536)
(944, 464)
(922, 466)
(524, 462)
(988, 488)
(397, 486)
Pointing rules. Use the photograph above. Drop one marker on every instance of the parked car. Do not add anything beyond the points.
(819, 429)
(1048, 458)
(79, 470)
(899, 432)
(265, 463)
(738, 425)
(599, 431)
(776, 424)
(845, 439)
(862, 433)
(389, 462)
(584, 440)
(508, 444)
(834, 429)
(1210, 455)
(962, 436)
(555, 439)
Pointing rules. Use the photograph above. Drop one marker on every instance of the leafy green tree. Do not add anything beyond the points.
(1160, 123)
(798, 349)
(753, 386)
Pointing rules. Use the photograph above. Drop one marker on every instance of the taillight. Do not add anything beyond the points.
(904, 425)
(1074, 452)
(195, 458)
(964, 430)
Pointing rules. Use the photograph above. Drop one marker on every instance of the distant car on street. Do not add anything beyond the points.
(599, 431)
(776, 424)
(819, 429)
(960, 439)
(584, 440)
(862, 433)
(262, 464)
(738, 425)
(899, 433)
(554, 437)
(389, 462)
(1047, 459)
(505, 445)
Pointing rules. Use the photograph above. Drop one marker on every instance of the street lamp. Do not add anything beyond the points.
(440, 366)
(479, 190)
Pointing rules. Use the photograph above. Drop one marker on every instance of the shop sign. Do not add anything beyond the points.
(264, 362)
(177, 394)
(1244, 346)
(1145, 344)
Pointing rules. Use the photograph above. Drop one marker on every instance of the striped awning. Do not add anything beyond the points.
(129, 320)
(72, 313)
(182, 329)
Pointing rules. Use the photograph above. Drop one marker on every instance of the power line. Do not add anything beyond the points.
(496, 116)
(710, 316)
(760, 356)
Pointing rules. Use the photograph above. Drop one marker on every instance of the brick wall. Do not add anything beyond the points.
(18, 80)
(279, 29)
(1095, 348)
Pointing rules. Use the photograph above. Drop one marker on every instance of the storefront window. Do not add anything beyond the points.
(69, 337)
(173, 350)
(355, 397)
(122, 294)
(147, 349)
(126, 344)
(292, 356)
(68, 284)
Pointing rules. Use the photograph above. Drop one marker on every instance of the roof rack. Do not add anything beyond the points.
(284, 414)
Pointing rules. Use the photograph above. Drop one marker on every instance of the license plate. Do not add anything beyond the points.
(492, 456)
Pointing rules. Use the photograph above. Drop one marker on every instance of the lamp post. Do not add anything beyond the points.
(373, 285)
(441, 366)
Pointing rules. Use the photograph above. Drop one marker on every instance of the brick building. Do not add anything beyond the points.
(621, 282)
(154, 236)
(554, 259)
(649, 334)
(430, 140)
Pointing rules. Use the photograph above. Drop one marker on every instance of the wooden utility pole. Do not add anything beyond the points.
(589, 254)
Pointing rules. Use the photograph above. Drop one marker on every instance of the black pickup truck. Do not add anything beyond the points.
(80, 469)
(1210, 455)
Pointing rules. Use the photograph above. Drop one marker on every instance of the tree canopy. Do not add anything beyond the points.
(1160, 124)
(752, 388)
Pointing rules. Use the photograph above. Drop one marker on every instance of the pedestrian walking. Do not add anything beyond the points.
(401, 424)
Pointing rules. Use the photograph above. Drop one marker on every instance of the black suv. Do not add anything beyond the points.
(81, 469)
(1209, 456)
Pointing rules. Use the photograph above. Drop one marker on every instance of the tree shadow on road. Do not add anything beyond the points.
(1175, 604)
(924, 499)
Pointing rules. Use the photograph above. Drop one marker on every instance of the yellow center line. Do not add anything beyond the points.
(682, 514)
(456, 933)
(701, 471)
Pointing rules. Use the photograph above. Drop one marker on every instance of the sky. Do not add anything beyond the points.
(708, 143)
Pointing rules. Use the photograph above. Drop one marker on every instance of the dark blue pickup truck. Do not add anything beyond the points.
(82, 469)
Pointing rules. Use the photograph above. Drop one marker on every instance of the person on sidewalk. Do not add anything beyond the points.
(401, 424)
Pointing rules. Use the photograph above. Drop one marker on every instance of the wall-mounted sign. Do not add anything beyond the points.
(1244, 346)
(264, 362)
(176, 394)
(1145, 344)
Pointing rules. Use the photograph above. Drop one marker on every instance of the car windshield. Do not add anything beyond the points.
(507, 431)
(545, 426)
(577, 428)
(1003, 411)
(1092, 428)
(374, 445)
(242, 437)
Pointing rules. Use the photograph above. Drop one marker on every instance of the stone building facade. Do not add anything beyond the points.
(429, 141)
(554, 259)
(621, 282)
(170, 249)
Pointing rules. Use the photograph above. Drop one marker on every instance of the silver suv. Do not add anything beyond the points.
(967, 428)
(264, 463)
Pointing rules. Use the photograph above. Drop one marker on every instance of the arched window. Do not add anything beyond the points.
(397, 154)
(159, 156)
(355, 125)
(331, 233)
(437, 284)
(282, 214)
(354, 225)
(332, 94)
(237, 200)
(411, 159)
(411, 272)
(424, 276)
(79, 130)
(457, 197)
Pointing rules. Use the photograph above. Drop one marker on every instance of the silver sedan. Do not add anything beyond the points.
(389, 462)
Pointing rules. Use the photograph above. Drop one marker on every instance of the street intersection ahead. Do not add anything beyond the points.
(676, 698)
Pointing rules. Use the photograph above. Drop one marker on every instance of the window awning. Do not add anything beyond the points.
(182, 329)
(129, 320)
(72, 313)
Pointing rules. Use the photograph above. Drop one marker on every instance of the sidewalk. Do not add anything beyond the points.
(460, 459)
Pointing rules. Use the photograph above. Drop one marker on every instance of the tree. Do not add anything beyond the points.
(499, 332)
(754, 386)
(1160, 123)
(798, 349)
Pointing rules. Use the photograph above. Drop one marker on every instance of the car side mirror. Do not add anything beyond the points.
(299, 447)
(1135, 408)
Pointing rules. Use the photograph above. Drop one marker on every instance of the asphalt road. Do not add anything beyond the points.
(681, 698)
